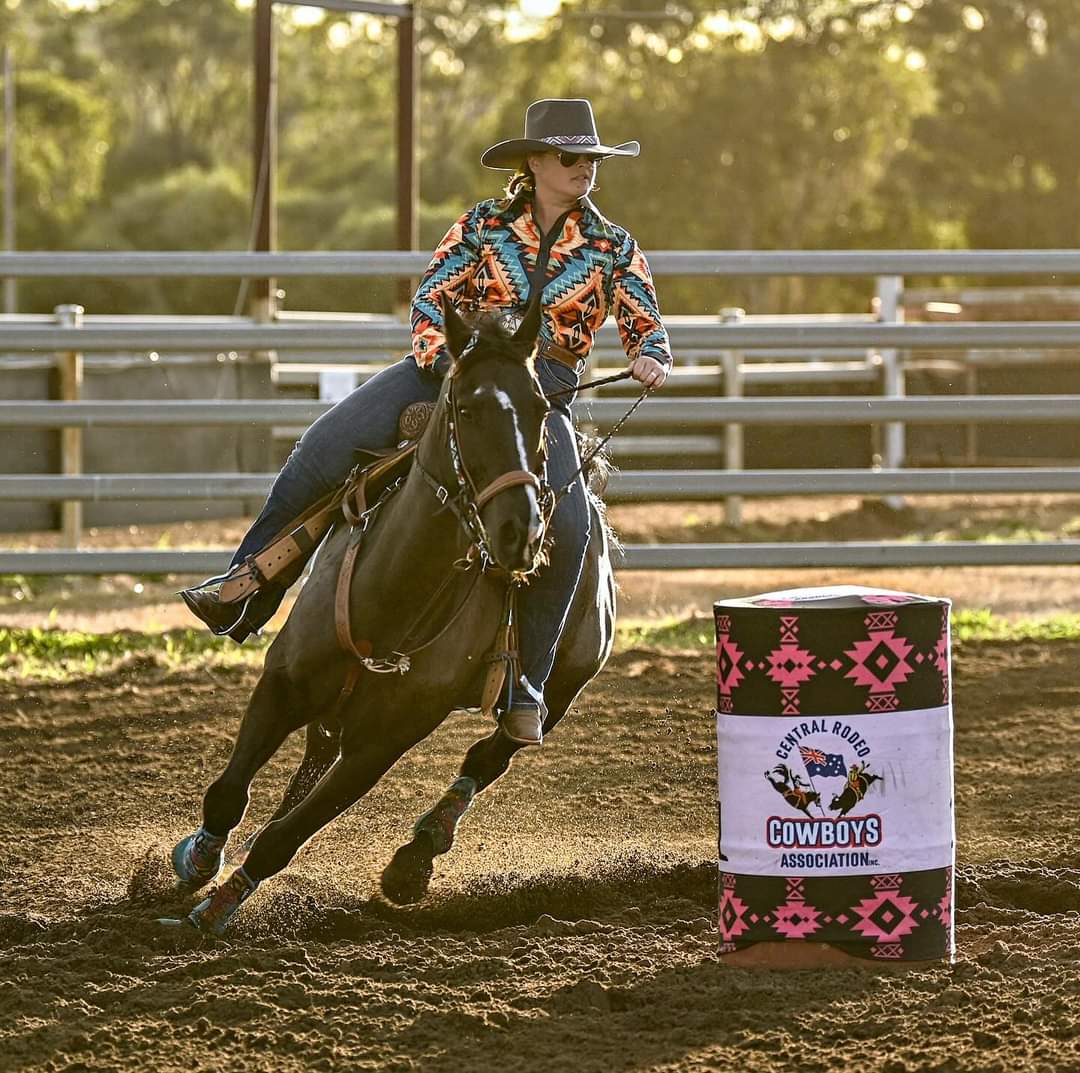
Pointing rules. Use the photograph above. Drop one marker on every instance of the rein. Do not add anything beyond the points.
(585, 462)
(588, 383)
(466, 505)
(469, 501)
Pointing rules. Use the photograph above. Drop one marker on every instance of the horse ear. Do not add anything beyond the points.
(529, 328)
(456, 331)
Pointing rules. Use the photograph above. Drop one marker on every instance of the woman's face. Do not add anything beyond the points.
(558, 182)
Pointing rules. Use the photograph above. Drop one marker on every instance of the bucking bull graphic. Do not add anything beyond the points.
(859, 780)
(794, 789)
(798, 793)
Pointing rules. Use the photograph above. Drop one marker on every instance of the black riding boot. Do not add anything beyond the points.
(239, 619)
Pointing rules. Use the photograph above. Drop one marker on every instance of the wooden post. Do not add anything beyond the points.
(408, 170)
(731, 362)
(255, 445)
(69, 366)
(10, 284)
(265, 146)
(890, 297)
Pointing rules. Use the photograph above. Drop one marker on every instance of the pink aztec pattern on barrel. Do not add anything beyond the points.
(871, 653)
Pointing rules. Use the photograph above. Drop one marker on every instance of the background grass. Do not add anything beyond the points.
(58, 655)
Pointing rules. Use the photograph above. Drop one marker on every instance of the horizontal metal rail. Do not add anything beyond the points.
(629, 486)
(708, 337)
(699, 377)
(658, 412)
(115, 265)
(688, 446)
(632, 557)
(645, 486)
(885, 553)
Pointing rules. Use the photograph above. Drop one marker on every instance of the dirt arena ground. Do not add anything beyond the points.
(573, 925)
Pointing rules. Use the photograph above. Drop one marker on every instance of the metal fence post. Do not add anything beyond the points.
(69, 369)
(731, 362)
(890, 309)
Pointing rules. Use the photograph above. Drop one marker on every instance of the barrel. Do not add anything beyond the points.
(835, 777)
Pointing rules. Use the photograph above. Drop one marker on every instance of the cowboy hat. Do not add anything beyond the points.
(555, 125)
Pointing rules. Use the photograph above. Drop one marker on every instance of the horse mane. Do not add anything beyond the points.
(498, 341)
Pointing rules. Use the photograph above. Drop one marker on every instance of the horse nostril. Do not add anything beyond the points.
(513, 537)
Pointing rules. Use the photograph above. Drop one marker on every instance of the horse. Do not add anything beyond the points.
(859, 781)
(450, 557)
(793, 788)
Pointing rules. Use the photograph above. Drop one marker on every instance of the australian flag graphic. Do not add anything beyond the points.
(824, 764)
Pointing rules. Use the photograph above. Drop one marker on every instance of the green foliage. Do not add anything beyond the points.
(58, 655)
(178, 74)
(782, 123)
(185, 209)
(968, 627)
(1001, 140)
(670, 633)
(983, 625)
(61, 145)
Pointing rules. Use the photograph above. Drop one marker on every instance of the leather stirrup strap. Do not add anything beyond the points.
(342, 612)
(299, 539)
(503, 656)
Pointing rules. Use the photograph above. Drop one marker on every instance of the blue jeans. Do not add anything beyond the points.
(367, 419)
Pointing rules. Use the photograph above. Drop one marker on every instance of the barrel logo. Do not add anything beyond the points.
(825, 785)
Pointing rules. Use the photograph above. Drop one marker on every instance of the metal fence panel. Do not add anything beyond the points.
(687, 413)
(627, 486)
(702, 336)
(632, 557)
(117, 265)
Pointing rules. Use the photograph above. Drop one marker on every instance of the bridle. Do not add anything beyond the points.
(466, 505)
(470, 500)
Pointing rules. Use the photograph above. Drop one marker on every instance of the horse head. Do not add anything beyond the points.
(494, 413)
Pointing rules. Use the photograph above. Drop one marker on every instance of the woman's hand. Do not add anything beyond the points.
(648, 371)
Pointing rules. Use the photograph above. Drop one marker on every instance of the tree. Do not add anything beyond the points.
(179, 72)
(188, 209)
(62, 137)
(1001, 149)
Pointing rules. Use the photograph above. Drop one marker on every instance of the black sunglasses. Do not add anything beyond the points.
(568, 160)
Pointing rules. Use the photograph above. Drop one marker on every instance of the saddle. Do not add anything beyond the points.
(282, 561)
(284, 558)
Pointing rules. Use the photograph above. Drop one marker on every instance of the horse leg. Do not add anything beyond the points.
(273, 712)
(321, 748)
(584, 646)
(363, 761)
(406, 878)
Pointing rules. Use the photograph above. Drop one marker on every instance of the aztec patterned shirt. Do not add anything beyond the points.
(594, 268)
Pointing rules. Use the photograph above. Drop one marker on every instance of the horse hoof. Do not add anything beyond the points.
(405, 879)
(197, 860)
(212, 915)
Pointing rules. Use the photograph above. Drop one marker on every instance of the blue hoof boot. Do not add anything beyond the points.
(198, 858)
(213, 914)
